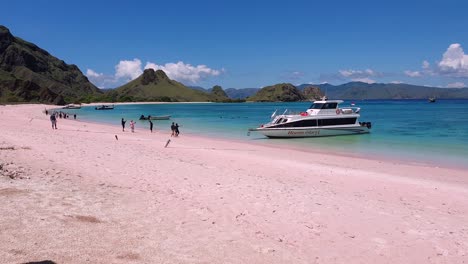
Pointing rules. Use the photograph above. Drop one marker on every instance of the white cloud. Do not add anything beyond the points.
(365, 80)
(425, 65)
(413, 74)
(128, 69)
(185, 72)
(358, 73)
(367, 75)
(99, 79)
(454, 62)
(456, 85)
(93, 74)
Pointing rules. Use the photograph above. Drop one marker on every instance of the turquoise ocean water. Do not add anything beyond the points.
(410, 130)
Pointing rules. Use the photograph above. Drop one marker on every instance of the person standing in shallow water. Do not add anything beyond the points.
(151, 125)
(123, 124)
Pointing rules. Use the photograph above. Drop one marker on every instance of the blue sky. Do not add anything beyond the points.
(245, 44)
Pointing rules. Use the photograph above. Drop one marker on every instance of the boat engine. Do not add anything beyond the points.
(366, 124)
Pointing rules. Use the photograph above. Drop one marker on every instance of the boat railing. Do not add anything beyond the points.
(340, 110)
(278, 112)
(348, 110)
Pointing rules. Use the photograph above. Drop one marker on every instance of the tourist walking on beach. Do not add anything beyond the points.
(123, 124)
(176, 130)
(172, 129)
(53, 120)
(151, 125)
(132, 125)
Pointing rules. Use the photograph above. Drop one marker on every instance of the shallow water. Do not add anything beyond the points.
(410, 130)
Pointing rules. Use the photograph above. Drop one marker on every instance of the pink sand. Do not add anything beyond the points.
(79, 195)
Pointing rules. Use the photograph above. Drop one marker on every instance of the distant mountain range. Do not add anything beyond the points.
(30, 74)
(232, 93)
(361, 90)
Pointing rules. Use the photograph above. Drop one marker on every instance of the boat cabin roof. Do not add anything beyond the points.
(329, 101)
(329, 104)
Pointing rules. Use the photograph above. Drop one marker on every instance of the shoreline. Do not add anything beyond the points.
(90, 192)
(414, 158)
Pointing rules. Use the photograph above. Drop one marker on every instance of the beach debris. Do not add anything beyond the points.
(7, 148)
(116, 137)
(41, 262)
(167, 143)
(11, 171)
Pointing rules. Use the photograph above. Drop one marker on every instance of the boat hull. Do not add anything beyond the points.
(156, 118)
(104, 108)
(160, 117)
(311, 132)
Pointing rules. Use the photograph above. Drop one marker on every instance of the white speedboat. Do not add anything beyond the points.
(323, 118)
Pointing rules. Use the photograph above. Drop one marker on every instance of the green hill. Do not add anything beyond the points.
(155, 86)
(312, 93)
(30, 74)
(283, 92)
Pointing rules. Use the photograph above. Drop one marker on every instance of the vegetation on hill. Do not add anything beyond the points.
(155, 86)
(312, 93)
(30, 74)
(219, 94)
(241, 94)
(283, 92)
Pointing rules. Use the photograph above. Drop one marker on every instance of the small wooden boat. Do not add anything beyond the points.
(72, 106)
(104, 107)
(150, 117)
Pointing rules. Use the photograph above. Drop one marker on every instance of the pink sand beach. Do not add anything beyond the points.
(90, 193)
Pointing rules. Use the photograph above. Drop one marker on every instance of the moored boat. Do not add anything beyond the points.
(432, 99)
(104, 107)
(150, 117)
(323, 118)
(72, 106)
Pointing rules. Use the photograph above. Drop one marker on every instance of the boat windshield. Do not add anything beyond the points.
(323, 106)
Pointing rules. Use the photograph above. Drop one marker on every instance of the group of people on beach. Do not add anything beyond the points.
(174, 127)
(60, 114)
(55, 115)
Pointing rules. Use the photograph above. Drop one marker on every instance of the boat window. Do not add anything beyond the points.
(278, 121)
(323, 106)
(300, 123)
(336, 121)
(316, 106)
(329, 106)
